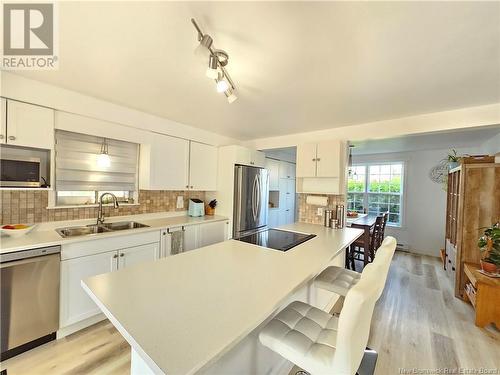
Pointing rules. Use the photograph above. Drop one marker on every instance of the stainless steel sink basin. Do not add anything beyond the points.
(123, 225)
(86, 230)
(81, 231)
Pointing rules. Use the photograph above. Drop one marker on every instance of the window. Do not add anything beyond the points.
(377, 188)
(80, 179)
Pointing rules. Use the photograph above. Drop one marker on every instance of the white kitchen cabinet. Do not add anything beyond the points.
(286, 170)
(273, 166)
(248, 156)
(202, 167)
(211, 233)
(75, 304)
(306, 160)
(164, 163)
(191, 237)
(29, 125)
(3, 120)
(273, 217)
(138, 254)
(287, 201)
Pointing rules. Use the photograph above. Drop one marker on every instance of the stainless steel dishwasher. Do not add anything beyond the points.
(29, 299)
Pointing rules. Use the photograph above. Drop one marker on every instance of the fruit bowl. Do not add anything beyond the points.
(17, 230)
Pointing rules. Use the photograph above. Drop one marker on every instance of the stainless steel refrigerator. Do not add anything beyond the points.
(251, 195)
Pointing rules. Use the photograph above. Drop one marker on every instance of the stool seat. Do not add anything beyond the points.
(305, 334)
(337, 279)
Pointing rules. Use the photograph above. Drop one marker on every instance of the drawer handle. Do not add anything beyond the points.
(115, 256)
(12, 138)
(1, 136)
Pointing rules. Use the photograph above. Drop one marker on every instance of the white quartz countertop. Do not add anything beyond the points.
(181, 312)
(45, 235)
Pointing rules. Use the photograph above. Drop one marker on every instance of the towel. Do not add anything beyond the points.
(177, 242)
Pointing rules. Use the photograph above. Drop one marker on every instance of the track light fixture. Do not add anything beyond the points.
(217, 62)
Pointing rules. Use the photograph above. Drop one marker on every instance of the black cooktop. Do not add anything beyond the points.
(277, 239)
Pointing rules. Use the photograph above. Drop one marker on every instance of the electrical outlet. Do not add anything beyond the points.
(320, 211)
(180, 201)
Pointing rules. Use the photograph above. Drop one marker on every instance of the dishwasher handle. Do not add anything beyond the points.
(19, 262)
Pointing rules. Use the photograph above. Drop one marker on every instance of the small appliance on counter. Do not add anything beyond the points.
(196, 207)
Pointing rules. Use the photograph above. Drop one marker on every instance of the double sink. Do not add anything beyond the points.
(86, 230)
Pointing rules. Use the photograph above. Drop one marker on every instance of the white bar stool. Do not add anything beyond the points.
(339, 280)
(324, 344)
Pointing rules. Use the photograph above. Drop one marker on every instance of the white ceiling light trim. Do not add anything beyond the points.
(217, 61)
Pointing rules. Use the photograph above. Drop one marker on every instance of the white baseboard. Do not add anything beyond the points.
(65, 331)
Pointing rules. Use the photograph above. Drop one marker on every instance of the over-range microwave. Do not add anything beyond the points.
(20, 172)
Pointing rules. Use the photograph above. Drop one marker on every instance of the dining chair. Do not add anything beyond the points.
(321, 343)
(356, 250)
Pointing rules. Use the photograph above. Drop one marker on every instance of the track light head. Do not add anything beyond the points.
(203, 49)
(212, 71)
(222, 85)
(230, 95)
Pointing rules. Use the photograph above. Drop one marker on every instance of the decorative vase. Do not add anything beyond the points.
(209, 211)
(453, 164)
(488, 267)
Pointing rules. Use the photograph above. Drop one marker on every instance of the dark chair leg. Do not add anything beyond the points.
(351, 257)
(346, 265)
(367, 366)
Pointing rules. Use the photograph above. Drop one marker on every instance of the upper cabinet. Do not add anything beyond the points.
(202, 167)
(250, 157)
(27, 125)
(273, 166)
(286, 170)
(321, 167)
(169, 163)
(319, 159)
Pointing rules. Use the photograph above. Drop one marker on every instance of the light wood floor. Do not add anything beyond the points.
(417, 323)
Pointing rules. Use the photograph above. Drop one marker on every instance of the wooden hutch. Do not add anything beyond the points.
(473, 203)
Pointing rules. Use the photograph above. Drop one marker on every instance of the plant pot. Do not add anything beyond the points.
(488, 267)
(453, 164)
(209, 211)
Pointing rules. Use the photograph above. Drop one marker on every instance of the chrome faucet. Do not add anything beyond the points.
(100, 215)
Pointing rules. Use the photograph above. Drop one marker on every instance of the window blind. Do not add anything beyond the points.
(77, 168)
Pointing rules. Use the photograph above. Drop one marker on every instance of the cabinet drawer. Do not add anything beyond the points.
(102, 245)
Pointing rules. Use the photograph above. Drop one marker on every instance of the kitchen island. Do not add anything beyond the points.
(201, 311)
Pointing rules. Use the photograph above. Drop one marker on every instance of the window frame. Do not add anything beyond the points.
(366, 193)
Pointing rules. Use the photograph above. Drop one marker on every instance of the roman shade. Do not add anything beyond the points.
(77, 168)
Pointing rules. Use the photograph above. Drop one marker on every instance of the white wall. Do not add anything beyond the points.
(425, 201)
(470, 117)
(35, 92)
(491, 146)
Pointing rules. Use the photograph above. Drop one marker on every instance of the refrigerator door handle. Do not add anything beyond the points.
(257, 205)
(254, 198)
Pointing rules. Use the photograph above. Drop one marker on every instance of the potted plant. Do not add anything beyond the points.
(489, 244)
(453, 159)
(210, 208)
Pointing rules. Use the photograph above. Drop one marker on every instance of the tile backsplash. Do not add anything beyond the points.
(307, 213)
(30, 206)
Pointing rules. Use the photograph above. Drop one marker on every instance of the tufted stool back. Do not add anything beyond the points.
(384, 258)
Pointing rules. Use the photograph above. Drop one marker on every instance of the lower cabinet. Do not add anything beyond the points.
(75, 304)
(138, 254)
(210, 233)
(76, 309)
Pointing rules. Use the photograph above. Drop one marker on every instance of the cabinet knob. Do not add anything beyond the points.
(318, 159)
(115, 256)
(122, 255)
(191, 186)
(1, 136)
(164, 233)
(187, 186)
(12, 138)
(313, 159)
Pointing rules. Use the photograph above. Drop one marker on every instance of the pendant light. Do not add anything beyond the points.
(103, 159)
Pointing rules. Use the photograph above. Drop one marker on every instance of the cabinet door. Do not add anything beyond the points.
(306, 160)
(202, 167)
(243, 155)
(210, 233)
(75, 304)
(287, 170)
(273, 217)
(191, 237)
(169, 163)
(138, 254)
(328, 159)
(273, 166)
(30, 125)
(258, 158)
(3, 120)
(291, 170)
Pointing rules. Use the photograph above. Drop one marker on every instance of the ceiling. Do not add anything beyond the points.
(298, 66)
(470, 138)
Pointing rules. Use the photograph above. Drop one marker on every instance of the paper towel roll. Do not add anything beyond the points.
(317, 200)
